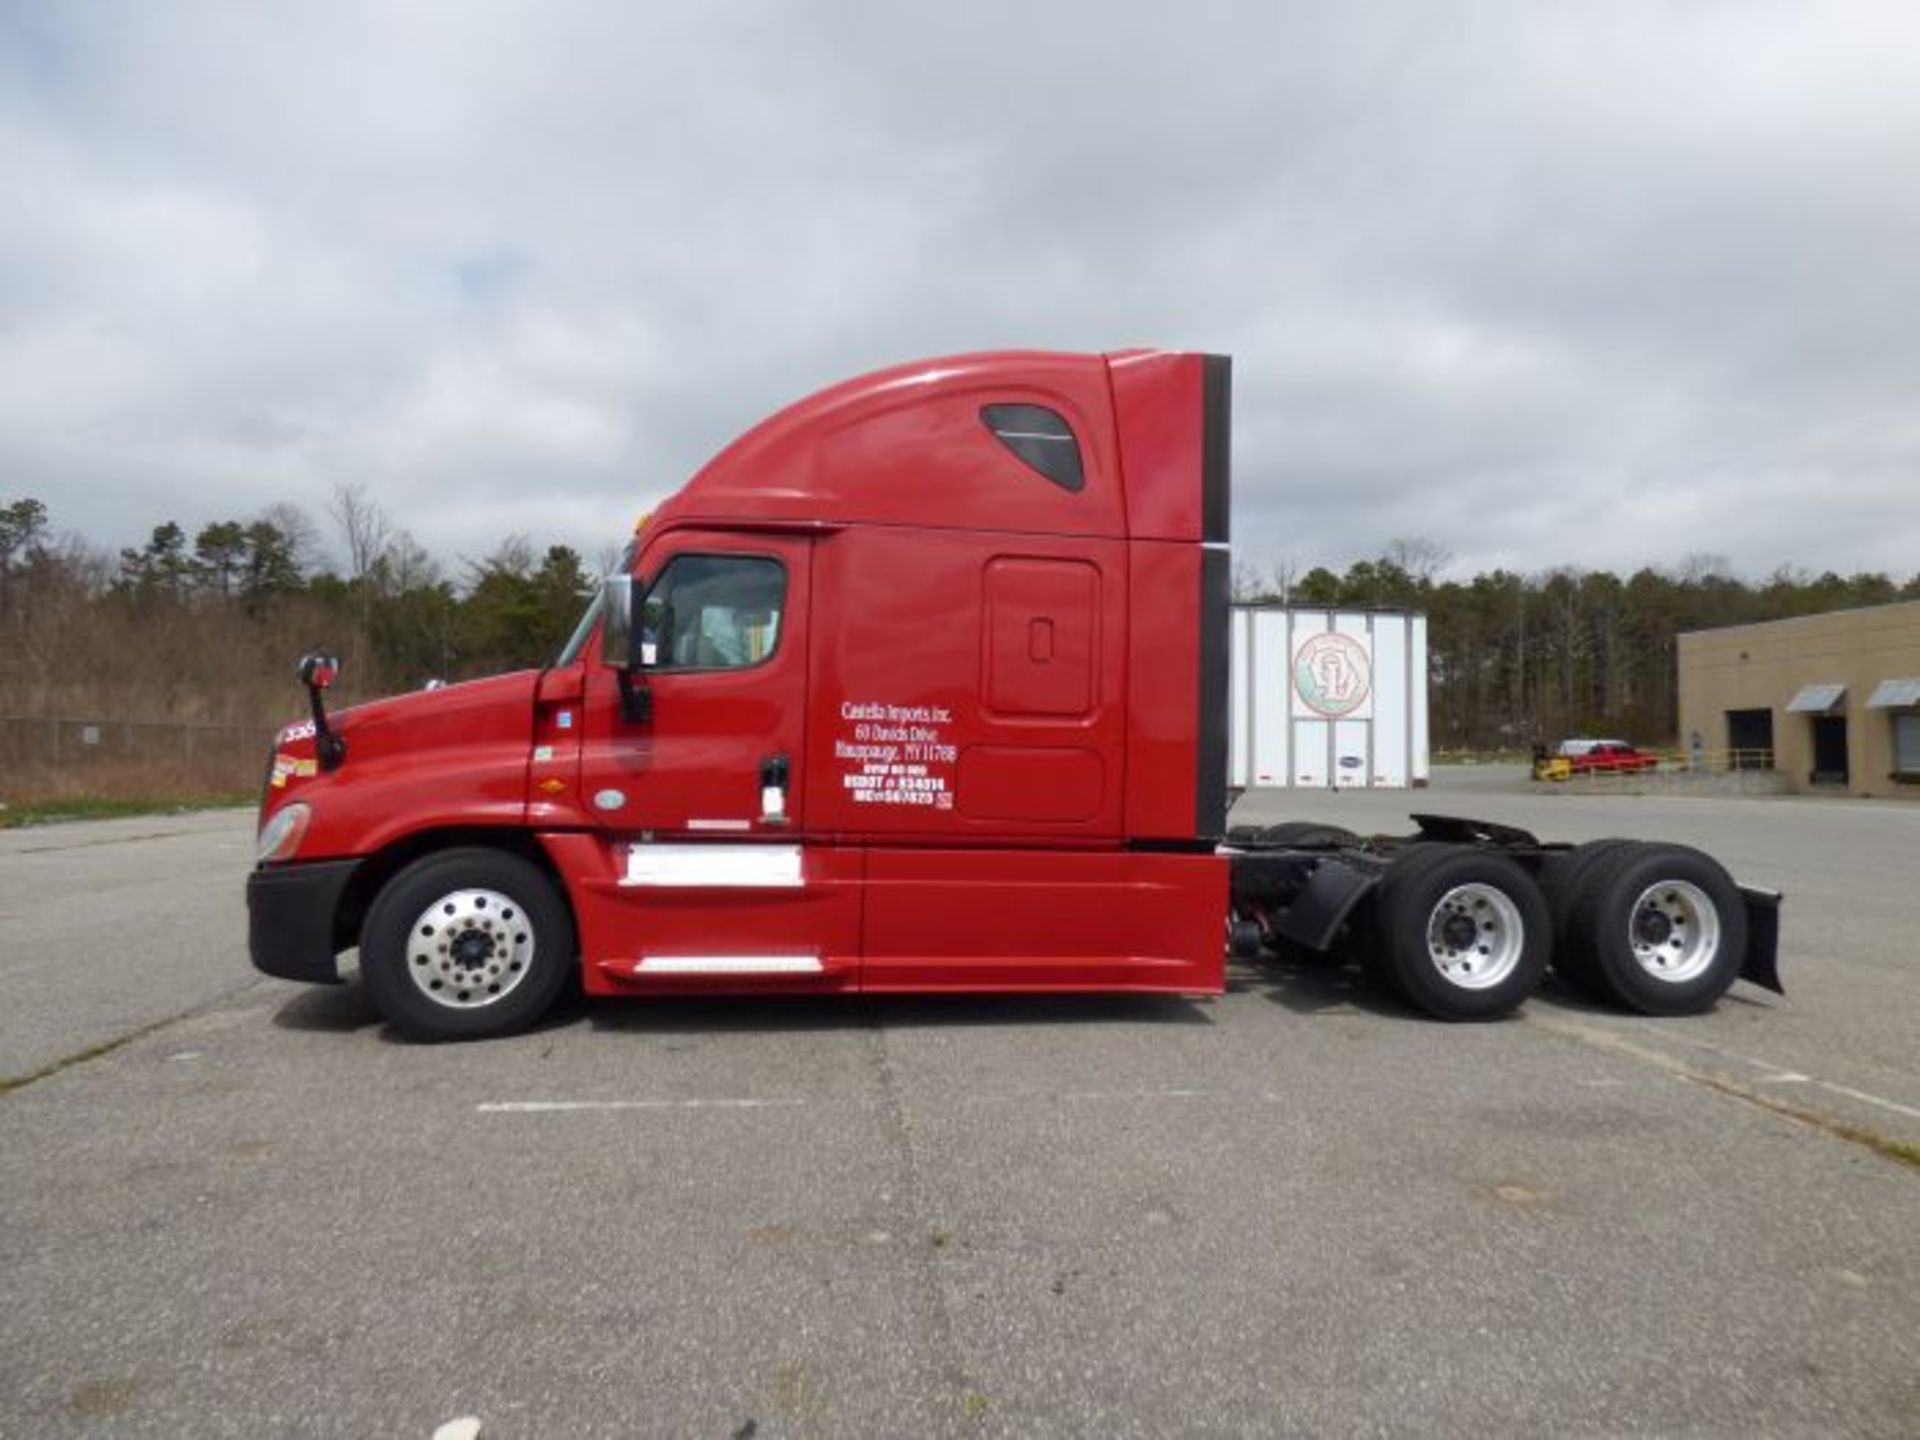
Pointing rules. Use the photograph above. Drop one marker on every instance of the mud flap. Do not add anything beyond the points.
(1331, 892)
(1762, 965)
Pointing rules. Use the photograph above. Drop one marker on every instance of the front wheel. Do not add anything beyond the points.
(1462, 934)
(466, 943)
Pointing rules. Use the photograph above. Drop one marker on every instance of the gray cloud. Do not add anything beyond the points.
(1545, 284)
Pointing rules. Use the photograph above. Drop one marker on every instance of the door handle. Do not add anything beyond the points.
(775, 773)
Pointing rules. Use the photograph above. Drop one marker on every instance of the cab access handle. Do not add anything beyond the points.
(776, 771)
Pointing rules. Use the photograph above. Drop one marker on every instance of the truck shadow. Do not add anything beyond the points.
(655, 1015)
(1302, 988)
(1309, 988)
(329, 1009)
(346, 1009)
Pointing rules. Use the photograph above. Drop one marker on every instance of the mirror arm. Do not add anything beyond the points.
(317, 671)
(329, 747)
(636, 699)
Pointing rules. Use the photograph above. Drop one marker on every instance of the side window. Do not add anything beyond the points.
(1041, 438)
(713, 612)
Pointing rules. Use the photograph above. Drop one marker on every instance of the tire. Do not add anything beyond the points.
(466, 943)
(1659, 929)
(1463, 934)
(1560, 880)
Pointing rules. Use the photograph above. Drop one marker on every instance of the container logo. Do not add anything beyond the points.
(1332, 674)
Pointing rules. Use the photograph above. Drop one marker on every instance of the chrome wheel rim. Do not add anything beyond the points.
(470, 948)
(1674, 931)
(1475, 936)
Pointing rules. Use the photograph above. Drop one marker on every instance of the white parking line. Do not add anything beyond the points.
(1861, 1095)
(1606, 1038)
(549, 1107)
(1778, 1076)
(988, 1097)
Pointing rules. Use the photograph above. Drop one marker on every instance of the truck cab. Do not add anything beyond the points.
(920, 685)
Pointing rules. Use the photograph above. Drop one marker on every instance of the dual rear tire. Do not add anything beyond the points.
(1467, 934)
(1654, 928)
(1459, 933)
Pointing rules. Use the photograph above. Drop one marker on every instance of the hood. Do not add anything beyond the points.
(487, 713)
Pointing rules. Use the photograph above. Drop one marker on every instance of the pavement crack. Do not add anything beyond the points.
(11, 1083)
(920, 1249)
(1898, 1151)
(96, 844)
(1901, 1152)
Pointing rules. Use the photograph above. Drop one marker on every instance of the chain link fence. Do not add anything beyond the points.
(45, 757)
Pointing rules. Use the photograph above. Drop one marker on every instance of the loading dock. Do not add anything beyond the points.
(1830, 701)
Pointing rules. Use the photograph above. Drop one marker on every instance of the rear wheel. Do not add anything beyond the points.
(1462, 934)
(1560, 880)
(466, 943)
(1661, 929)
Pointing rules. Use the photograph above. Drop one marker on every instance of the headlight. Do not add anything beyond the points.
(281, 835)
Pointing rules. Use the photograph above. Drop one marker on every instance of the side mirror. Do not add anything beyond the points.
(617, 650)
(318, 672)
(616, 622)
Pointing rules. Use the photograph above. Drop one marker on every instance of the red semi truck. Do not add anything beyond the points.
(918, 686)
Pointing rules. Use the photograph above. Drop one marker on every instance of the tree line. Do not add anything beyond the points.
(1514, 658)
(203, 624)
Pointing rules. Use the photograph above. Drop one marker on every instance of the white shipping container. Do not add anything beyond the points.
(1327, 698)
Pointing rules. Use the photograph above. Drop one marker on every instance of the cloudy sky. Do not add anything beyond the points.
(1540, 283)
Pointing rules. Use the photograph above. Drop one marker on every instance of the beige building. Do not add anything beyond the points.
(1831, 701)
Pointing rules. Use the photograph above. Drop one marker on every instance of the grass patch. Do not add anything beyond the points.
(1900, 1152)
(103, 807)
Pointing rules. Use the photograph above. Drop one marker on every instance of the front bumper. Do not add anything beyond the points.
(290, 918)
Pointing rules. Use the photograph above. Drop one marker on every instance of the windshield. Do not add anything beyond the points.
(577, 641)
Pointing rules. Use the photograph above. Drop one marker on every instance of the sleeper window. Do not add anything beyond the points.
(1041, 438)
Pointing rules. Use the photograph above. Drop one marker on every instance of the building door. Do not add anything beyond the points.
(1750, 738)
(1829, 750)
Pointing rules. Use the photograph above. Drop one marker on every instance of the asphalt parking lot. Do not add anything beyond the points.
(235, 1206)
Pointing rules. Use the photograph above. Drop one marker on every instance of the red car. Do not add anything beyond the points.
(1586, 756)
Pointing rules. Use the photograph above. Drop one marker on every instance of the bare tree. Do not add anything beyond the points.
(1281, 575)
(610, 557)
(363, 525)
(1419, 558)
(512, 557)
(1246, 583)
(405, 565)
(302, 535)
(1701, 565)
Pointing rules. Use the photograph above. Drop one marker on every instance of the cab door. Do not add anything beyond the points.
(724, 618)
(713, 890)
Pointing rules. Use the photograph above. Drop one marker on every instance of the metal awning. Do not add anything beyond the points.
(1815, 699)
(1894, 693)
